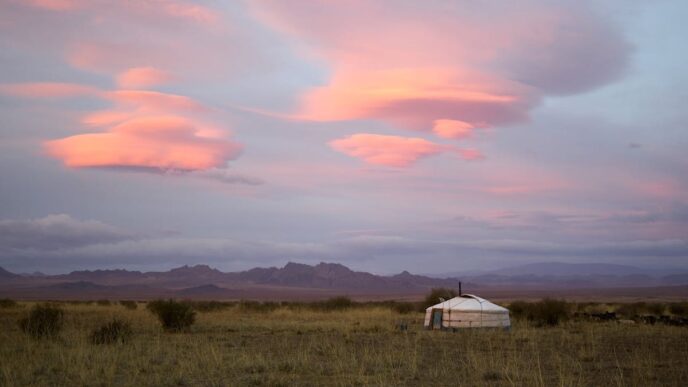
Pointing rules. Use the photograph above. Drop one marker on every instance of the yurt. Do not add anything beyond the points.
(466, 311)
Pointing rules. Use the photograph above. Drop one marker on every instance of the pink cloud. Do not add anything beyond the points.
(147, 129)
(53, 5)
(142, 77)
(154, 101)
(522, 180)
(159, 8)
(48, 90)
(392, 151)
(106, 117)
(191, 12)
(447, 67)
(395, 151)
(159, 142)
(414, 98)
(453, 129)
(655, 187)
(470, 154)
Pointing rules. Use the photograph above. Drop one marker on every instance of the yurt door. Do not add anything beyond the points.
(437, 319)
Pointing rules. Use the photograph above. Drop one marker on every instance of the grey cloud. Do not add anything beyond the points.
(57, 232)
(589, 52)
(59, 242)
(228, 177)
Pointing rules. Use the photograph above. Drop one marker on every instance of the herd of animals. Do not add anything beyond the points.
(639, 319)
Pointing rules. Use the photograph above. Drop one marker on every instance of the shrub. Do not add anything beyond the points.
(255, 306)
(334, 303)
(115, 331)
(434, 297)
(633, 309)
(551, 312)
(546, 312)
(209, 306)
(338, 303)
(679, 308)
(404, 307)
(8, 303)
(42, 321)
(103, 302)
(656, 308)
(173, 315)
(129, 304)
(519, 310)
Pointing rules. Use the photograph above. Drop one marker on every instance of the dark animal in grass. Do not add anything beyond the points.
(606, 316)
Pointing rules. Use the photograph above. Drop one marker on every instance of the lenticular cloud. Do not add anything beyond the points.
(144, 129)
(395, 151)
(481, 64)
(446, 68)
(158, 142)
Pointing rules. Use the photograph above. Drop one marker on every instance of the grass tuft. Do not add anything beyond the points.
(173, 315)
(43, 321)
(131, 305)
(8, 303)
(115, 331)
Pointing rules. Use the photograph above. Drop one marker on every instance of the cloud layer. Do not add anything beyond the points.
(60, 240)
(447, 68)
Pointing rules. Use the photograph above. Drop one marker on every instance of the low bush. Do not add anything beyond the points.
(210, 306)
(435, 295)
(173, 315)
(547, 312)
(115, 331)
(8, 303)
(260, 307)
(655, 308)
(404, 307)
(336, 303)
(103, 302)
(129, 304)
(43, 321)
(679, 309)
(632, 309)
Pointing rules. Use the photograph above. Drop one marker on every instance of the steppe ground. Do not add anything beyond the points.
(359, 346)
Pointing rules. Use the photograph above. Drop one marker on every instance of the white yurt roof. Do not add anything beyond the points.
(470, 303)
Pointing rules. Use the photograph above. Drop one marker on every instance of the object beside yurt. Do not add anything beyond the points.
(466, 311)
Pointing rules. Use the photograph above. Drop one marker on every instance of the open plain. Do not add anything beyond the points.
(296, 345)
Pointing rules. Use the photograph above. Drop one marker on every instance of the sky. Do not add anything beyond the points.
(434, 136)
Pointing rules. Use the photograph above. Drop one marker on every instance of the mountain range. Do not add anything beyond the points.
(301, 281)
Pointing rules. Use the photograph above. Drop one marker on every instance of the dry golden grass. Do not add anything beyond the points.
(360, 346)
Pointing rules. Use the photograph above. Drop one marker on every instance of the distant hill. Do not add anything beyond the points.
(676, 279)
(80, 286)
(569, 269)
(554, 275)
(205, 291)
(4, 274)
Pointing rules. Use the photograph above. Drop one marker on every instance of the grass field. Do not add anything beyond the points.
(359, 346)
